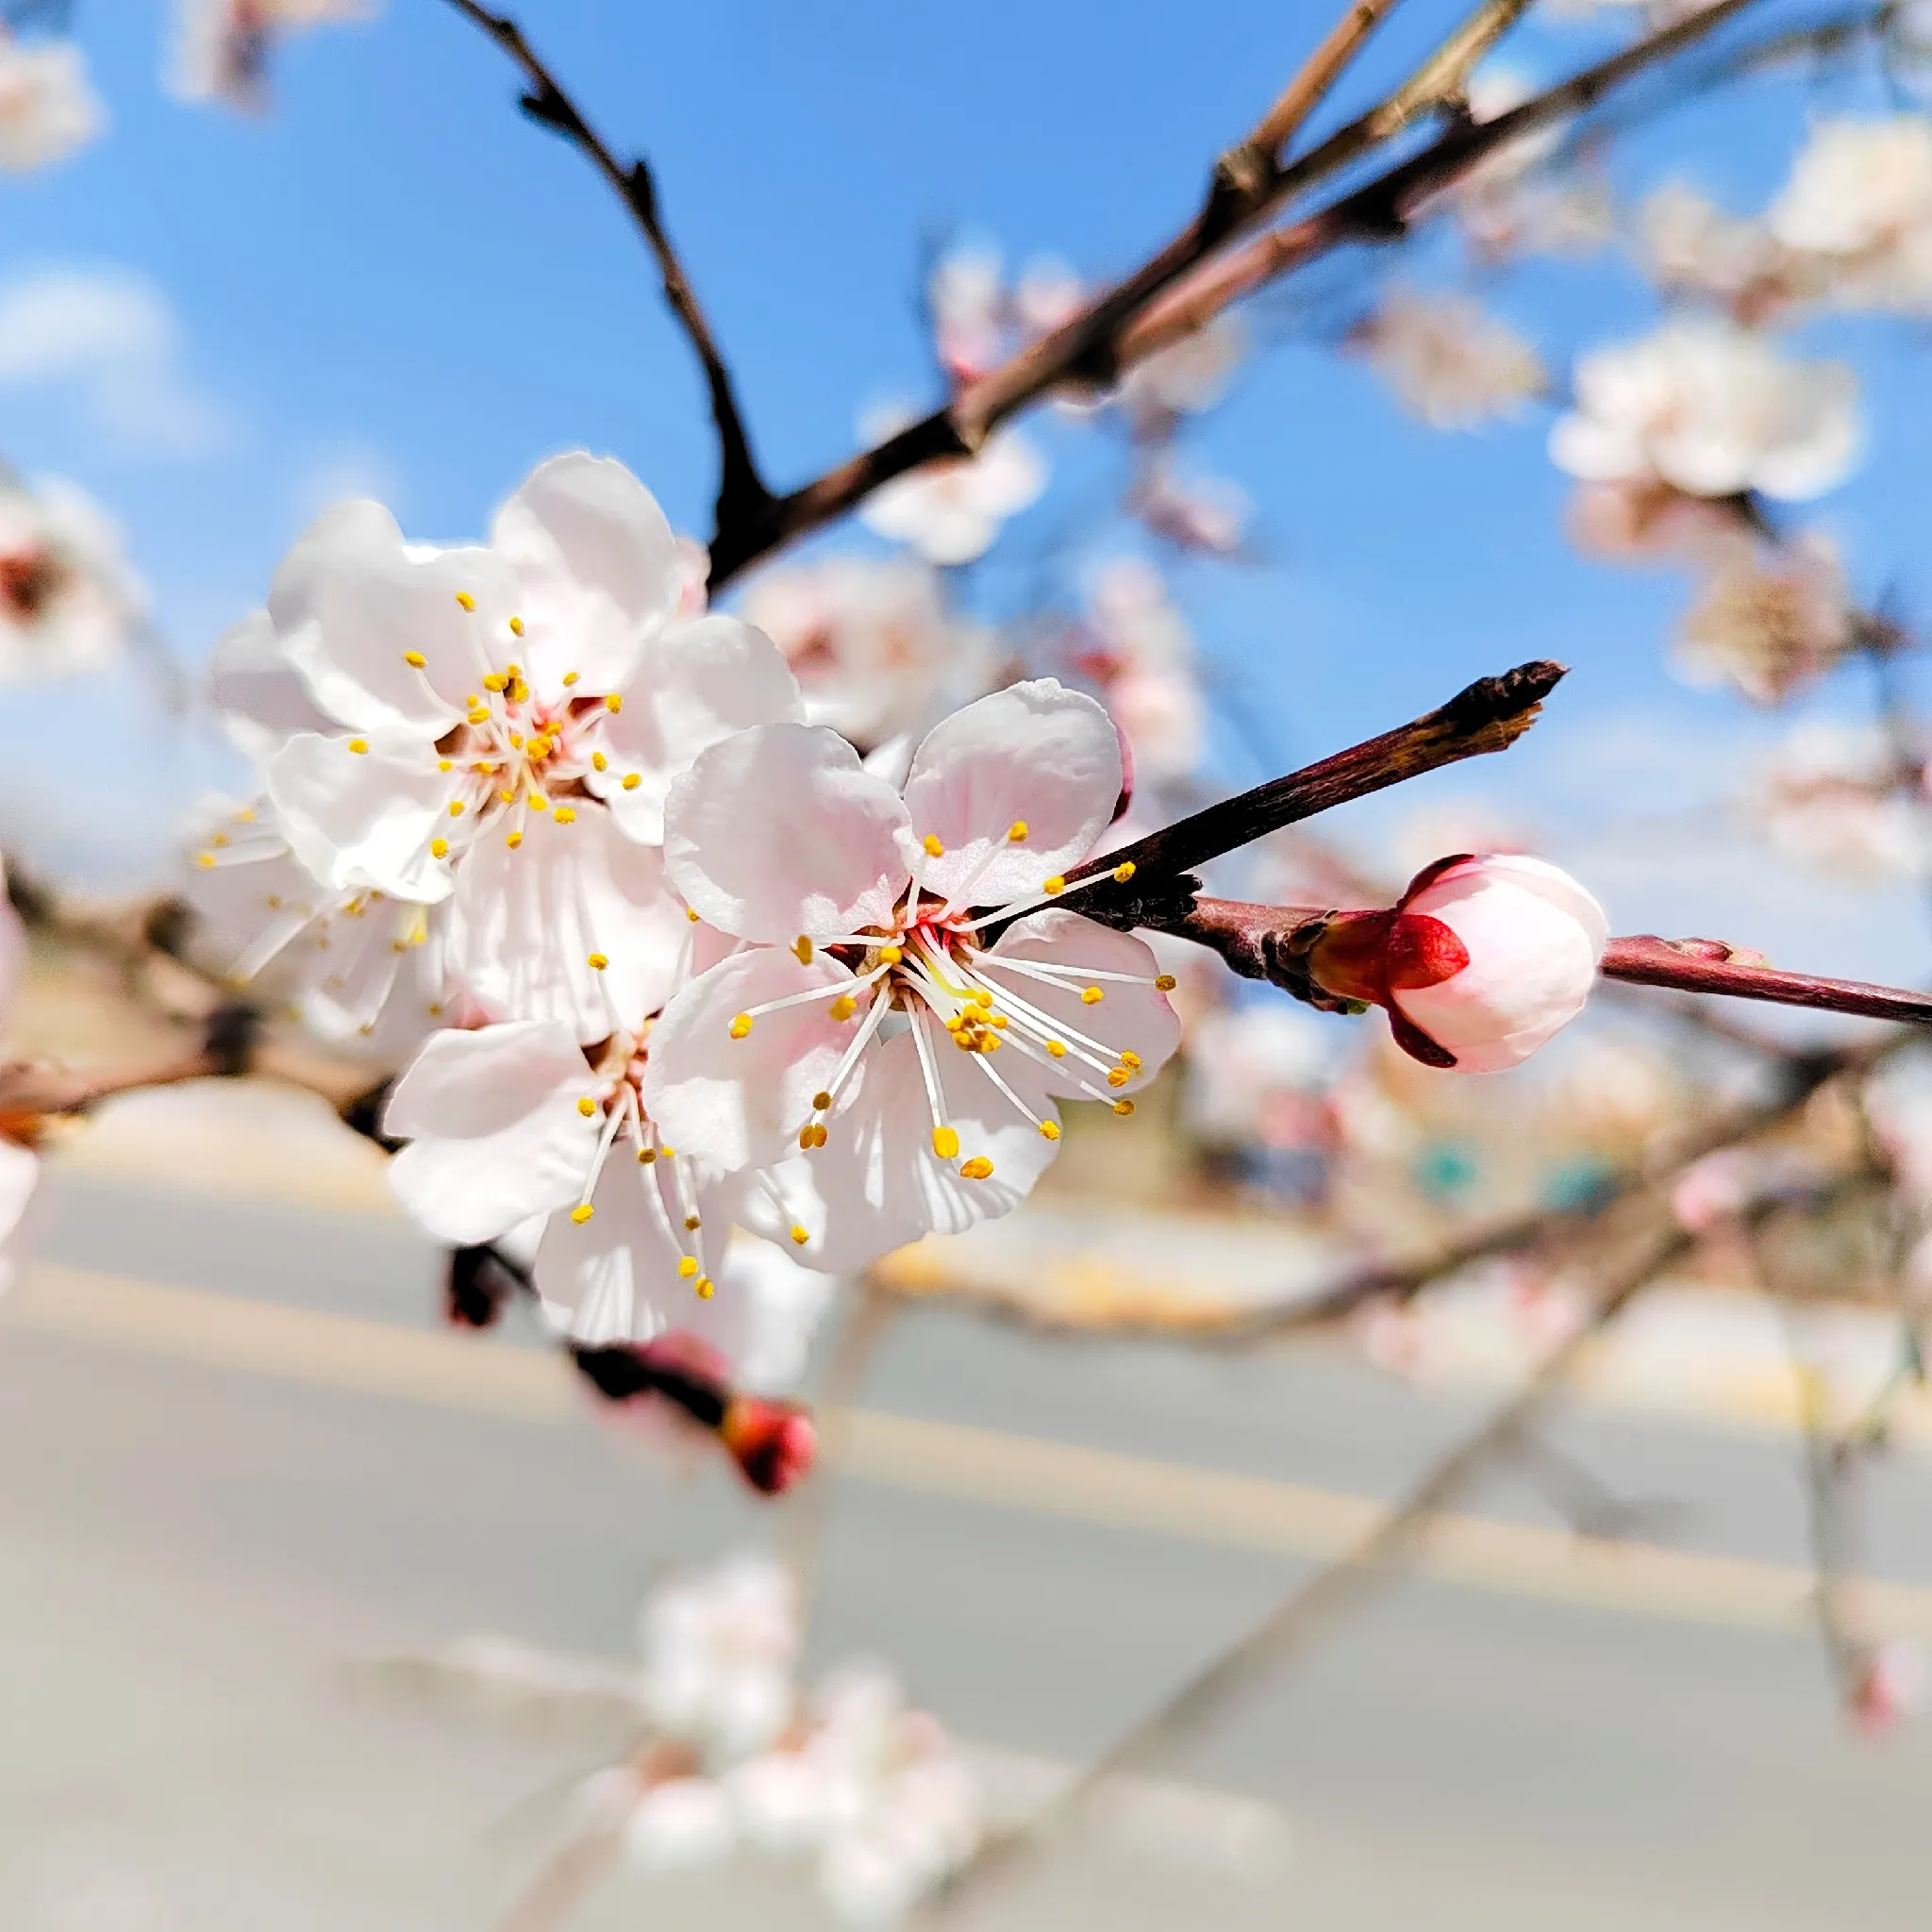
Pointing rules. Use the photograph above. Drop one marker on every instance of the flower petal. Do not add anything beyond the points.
(526, 922)
(780, 831)
(260, 693)
(596, 566)
(694, 684)
(352, 598)
(741, 1102)
(1125, 1019)
(363, 819)
(495, 1130)
(1034, 754)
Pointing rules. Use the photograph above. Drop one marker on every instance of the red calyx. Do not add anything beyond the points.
(772, 1442)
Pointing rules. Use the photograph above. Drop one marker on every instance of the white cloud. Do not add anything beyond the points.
(112, 338)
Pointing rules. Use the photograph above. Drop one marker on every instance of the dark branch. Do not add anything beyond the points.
(1711, 966)
(743, 501)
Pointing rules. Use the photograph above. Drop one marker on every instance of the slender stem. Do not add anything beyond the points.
(1317, 74)
(742, 497)
(1706, 966)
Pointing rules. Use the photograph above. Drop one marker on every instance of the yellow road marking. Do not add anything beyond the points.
(989, 1467)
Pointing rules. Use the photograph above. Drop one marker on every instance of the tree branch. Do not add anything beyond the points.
(1711, 966)
(1118, 328)
(743, 501)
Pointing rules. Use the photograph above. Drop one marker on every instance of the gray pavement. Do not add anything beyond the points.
(198, 1566)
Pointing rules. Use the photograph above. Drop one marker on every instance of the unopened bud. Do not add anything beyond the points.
(773, 1444)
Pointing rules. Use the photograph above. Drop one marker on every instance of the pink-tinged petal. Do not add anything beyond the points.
(350, 603)
(597, 571)
(614, 1277)
(1034, 754)
(364, 819)
(495, 1128)
(526, 922)
(1533, 937)
(1125, 1019)
(839, 1196)
(260, 693)
(739, 1103)
(780, 831)
(696, 683)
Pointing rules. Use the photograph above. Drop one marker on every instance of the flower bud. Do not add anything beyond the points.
(773, 1444)
(1481, 962)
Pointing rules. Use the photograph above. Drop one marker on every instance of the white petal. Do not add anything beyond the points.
(1595, 451)
(694, 684)
(1125, 1019)
(363, 819)
(1034, 754)
(351, 599)
(741, 1102)
(260, 693)
(596, 566)
(524, 923)
(780, 831)
(496, 1133)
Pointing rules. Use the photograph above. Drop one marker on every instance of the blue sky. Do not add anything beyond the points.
(394, 284)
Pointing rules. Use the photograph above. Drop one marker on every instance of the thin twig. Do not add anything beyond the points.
(743, 501)
(1703, 966)
(1316, 1607)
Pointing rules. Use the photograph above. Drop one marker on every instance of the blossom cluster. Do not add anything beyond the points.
(666, 959)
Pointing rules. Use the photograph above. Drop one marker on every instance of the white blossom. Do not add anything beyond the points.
(1769, 624)
(223, 47)
(719, 1653)
(1859, 199)
(48, 106)
(68, 599)
(1710, 410)
(901, 1070)
(1687, 244)
(951, 512)
(1834, 797)
(1448, 360)
(1187, 377)
(1139, 651)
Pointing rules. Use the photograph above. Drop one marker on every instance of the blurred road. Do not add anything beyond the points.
(241, 1483)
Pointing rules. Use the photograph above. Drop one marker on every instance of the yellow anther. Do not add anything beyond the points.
(613, 703)
(599, 961)
(1049, 1130)
(1166, 983)
(1119, 1076)
(998, 1020)
(647, 1155)
(436, 1011)
(692, 1224)
(445, 764)
(539, 747)
(1016, 832)
(802, 945)
(471, 702)
(512, 840)
(274, 902)
(666, 1151)
(799, 1235)
(220, 839)
(507, 797)
(582, 1214)
(439, 849)
(516, 625)
(1124, 871)
(564, 815)
(953, 1022)
(686, 1267)
(537, 803)
(599, 762)
(246, 816)
(514, 671)
(496, 681)
(740, 1026)
(631, 781)
(690, 915)
(981, 997)
(979, 1169)
(587, 1106)
(468, 602)
(519, 692)
(358, 746)
(842, 1008)
(945, 1143)
(1055, 885)
(1124, 1107)
(204, 858)
(890, 956)
(480, 716)
(456, 808)
(703, 1289)
(964, 1041)
(1057, 1048)
(415, 659)
(811, 1136)
(1129, 1058)
(821, 1100)
(569, 677)
(516, 740)
(1091, 995)
(933, 848)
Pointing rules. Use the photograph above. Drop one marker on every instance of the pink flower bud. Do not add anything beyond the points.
(1482, 959)
(774, 1444)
